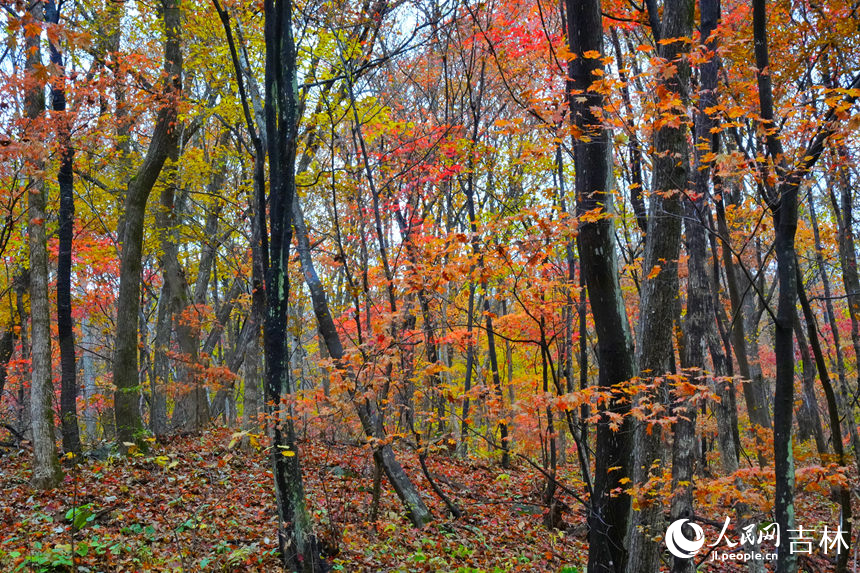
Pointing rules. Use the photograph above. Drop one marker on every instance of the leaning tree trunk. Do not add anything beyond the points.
(65, 178)
(844, 395)
(609, 513)
(164, 138)
(835, 427)
(382, 451)
(46, 466)
(808, 415)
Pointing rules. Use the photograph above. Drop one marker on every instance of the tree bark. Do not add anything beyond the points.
(296, 540)
(164, 138)
(65, 179)
(46, 465)
(660, 288)
(609, 513)
(844, 395)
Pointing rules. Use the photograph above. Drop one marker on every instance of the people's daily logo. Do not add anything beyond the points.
(748, 546)
(677, 542)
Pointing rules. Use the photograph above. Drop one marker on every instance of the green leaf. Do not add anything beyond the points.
(81, 516)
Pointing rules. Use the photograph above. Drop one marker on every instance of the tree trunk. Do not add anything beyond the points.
(164, 138)
(660, 289)
(835, 427)
(46, 466)
(808, 416)
(88, 369)
(785, 227)
(65, 179)
(252, 375)
(609, 513)
(296, 541)
(844, 395)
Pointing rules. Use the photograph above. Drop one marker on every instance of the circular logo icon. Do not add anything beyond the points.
(678, 544)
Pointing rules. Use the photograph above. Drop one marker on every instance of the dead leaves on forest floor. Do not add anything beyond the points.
(201, 503)
(196, 504)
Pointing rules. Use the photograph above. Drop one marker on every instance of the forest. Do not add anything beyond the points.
(429, 285)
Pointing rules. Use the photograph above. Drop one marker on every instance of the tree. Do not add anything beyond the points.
(65, 178)
(164, 138)
(782, 190)
(46, 466)
(609, 513)
(655, 351)
(297, 544)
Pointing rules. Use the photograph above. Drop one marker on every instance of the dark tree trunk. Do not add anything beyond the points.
(835, 427)
(808, 416)
(296, 541)
(844, 395)
(65, 178)
(785, 223)
(609, 513)
(784, 207)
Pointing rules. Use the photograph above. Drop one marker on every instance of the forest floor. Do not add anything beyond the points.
(202, 503)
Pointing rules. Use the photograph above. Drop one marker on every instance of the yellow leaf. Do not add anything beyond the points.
(735, 112)
(288, 453)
